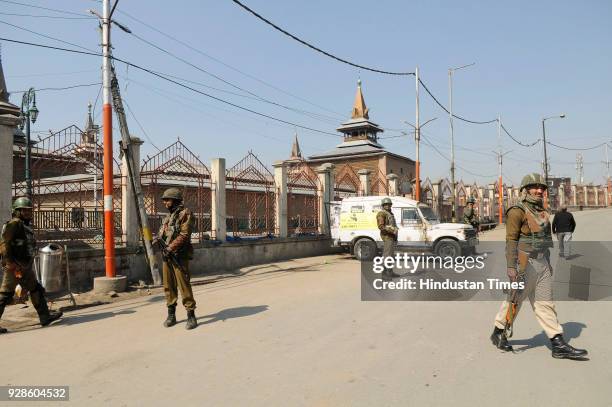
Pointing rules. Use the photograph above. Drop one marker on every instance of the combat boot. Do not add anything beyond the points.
(498, 338)
(50, 316)
(563, 350)
(192, 322)
(171, 319)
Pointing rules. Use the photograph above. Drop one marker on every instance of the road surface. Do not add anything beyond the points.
(297, 334)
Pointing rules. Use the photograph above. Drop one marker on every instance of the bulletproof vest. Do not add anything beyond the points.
(23, 244)
(389, 218)
(540, 236)
(171, 225)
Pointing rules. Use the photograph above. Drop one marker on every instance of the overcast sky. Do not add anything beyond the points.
(533, 59)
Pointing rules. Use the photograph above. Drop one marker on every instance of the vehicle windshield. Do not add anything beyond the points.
(429, 214)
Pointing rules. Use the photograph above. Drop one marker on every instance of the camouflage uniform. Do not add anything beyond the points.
(528, 243)
(388, 231)
(176, 232)
(469, 214)
(18, 252)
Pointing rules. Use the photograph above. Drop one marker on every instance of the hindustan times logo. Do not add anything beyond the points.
(412, 263)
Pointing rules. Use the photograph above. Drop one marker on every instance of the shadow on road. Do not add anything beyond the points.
(571, 330)
(230, 313)
(79, 319)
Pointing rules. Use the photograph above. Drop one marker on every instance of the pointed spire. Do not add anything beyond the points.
(4, 96)
(360, 111)
(89, 125)
(296, 152)
(6, 107)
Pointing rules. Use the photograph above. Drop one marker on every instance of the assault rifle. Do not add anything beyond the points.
(515, 295)
(168, 254)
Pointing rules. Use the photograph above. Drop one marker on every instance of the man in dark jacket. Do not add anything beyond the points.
(563, 225)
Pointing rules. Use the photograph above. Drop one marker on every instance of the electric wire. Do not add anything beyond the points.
(428, 143)
(60, 88)
(151, 72)
(46, 36)
(139, 125)
(317, 49)
(517, 141)
(312, 115)
(185, 44)
(43, 16)
(447, 111)
(576, 148)
(46, 8)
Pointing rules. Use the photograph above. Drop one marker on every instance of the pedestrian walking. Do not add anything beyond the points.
(563, 226)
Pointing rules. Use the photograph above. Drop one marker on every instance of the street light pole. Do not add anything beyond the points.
(452, 135)
(561, 116)
(417, 139)
(29, 111)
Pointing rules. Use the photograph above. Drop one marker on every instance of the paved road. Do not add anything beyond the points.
(297, 333)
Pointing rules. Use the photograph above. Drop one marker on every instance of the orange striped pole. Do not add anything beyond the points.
(107, 124)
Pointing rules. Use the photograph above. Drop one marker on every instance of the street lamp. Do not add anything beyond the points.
(29, 112)
(561, 116)
(452, 134)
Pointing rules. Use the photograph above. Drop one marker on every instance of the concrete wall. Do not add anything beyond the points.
(85, 264)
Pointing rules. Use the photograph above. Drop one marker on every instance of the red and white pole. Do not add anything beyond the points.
(107, 125)
(501, 185)
(417, 139)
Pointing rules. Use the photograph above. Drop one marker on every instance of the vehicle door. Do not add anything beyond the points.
(410, 227)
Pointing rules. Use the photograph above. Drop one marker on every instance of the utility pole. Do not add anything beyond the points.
(561, 116)
(126, 146)
(452, 135)
(579, 169)
(499, 159)
(500, 154)
(417, 139)
(607, 163)
(107, 126)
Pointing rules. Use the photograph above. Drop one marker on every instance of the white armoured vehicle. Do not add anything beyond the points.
(353, 224)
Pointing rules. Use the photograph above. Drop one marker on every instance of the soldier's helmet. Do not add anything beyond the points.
(173, 193)
(22, 202)
(532, 179)
(471, 200)
(386, 201)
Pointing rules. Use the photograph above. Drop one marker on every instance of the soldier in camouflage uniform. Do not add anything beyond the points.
(176, 233)
(469, 215)
(388, 232)
(18, 248)
(528, 239)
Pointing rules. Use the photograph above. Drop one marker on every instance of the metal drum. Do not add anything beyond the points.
(51, 267)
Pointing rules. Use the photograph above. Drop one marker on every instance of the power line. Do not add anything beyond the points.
(52, 74)
(46, 36)
(226, 64)
(46, 8)
(139, 125)
(576, 149)
(517, 141)
(447, 111)
(151, 72)
(312, 115)
(43, 16)
(62, 88)
(428, 143)
(344, 61)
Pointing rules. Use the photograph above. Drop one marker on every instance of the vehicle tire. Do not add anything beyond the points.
(447, 247)
(365, 249)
